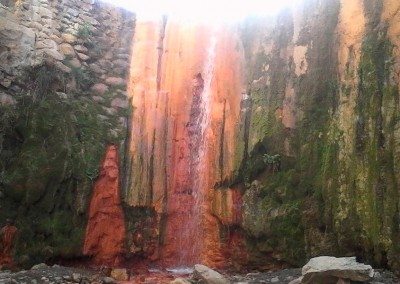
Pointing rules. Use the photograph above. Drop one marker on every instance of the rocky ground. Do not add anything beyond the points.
(53, 274)
(281, 276)
(287, 275)
(59, 274)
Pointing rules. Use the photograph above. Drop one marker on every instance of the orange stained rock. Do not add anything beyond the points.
(227, 206)
(8, 234)
(236, 249)
(167, 71)
(148, 113)
(105, 231)
(391, 14)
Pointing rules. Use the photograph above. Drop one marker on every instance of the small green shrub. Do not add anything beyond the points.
(271, 159)
(85, 31)
(44, 79)
(83, 78)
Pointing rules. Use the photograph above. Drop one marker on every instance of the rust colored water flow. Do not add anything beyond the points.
(185, 84)
(105, 232)
(190, 252)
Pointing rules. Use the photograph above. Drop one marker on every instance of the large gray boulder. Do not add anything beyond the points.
(328, 269)
(208, 275)
(180, 281)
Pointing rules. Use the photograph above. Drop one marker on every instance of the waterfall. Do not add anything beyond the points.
(192, 234)
(208, 71)
(186, 83)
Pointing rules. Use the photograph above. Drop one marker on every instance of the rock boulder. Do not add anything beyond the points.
(120, 274)
(115, 81)
(180, 281)
(328, 269)
(208, 275)
(99, 88)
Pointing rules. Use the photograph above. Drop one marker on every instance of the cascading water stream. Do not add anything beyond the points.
(191, 235)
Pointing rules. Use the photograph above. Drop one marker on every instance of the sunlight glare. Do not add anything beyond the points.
(203, 10)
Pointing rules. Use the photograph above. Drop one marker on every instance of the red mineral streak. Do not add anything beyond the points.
(105, 232)
(7, 234)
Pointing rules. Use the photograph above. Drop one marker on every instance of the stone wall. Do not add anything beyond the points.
(76, 35)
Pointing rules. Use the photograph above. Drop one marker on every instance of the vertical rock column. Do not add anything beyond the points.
(105, 232)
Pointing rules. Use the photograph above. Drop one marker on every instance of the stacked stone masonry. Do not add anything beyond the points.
(75, 35)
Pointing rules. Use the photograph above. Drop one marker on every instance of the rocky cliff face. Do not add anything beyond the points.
(260, 143)
(324, 98)
(313, 165)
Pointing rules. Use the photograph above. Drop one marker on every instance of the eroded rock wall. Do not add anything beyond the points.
(321, 174)
(314, 166)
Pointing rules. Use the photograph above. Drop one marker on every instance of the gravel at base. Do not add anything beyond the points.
(51, 274)
(286, 275)
(281, 276)
(59, 274)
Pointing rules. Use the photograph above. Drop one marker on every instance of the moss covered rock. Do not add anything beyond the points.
(51, 146)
